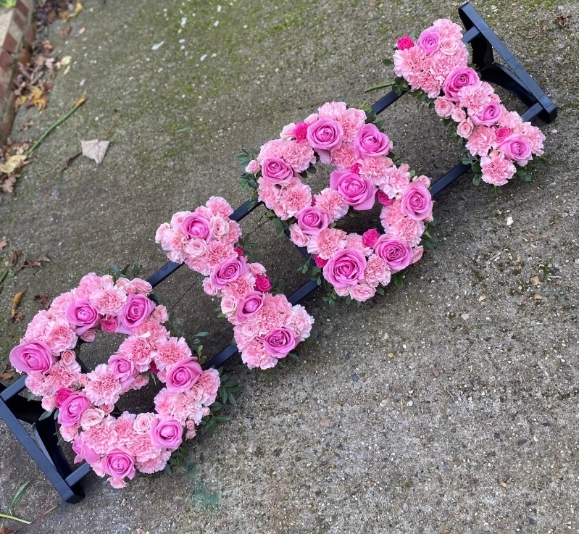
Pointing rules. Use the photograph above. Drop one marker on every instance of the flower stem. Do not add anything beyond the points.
(6, 516)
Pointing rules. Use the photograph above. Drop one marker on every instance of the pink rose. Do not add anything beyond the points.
(279, 342)
(137, 309)
(345, 268)
(183, 375)
(123, 369)
(517, 148)
(166, 432)
(465, 128)
(253, 167)
(81, 315)
(416, 202)
(428, 41)
(91, 417)
(325, 135)
(33, 357)
(276, 171)
(312, 220)
(68, 357)
(458, 114)
(227, 271)
(443, 107)
(369, 237)
(320, 262)
(384, 199)
(196, 226)
(370, 141)
(118, 464)
(501, 134)
(298, 237)
(72, 408)
(362, 292)
(249, 305)
(457, 79)
(417, 254)
(109, 324)
(490, 114)
(396, 253)
(405, 42)
(262, 283)
(356, 191)
(61, 395)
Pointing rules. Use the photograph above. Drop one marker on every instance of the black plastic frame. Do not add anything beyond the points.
(44, 449)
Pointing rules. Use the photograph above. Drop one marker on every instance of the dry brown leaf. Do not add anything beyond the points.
(4, 530)
(39, 99)
(3, 243)
(77, 10)
(15, 303)
(35, 262)
(64, 32)
(6, 375)
(94, 149)
(47, 45)
(15, 257)
(12, 164)
(44, 299)
(8, 184)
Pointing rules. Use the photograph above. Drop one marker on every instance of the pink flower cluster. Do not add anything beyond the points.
(115, 447)
(498, 137)
(266, 326)
(364, 173)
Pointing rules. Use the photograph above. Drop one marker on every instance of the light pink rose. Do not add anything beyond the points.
(345, 268)
(362, 292)
(227, 271)
(253, 167)
(91, 417)
(32, 357)
(194, 225)
(490, 114)
(312, 221)
(249, 305)
(279, 342)
(262, 283)
(123, 369)
(397, 253)
(137, 309)
(142, 423)
(118, 464)
(48, 403)
(325, 135)
(356, 191)
(428, 41)
(297, 236)
(228, 305)
(443, 107)
(81, 315)
(417, 254)
(277, 171)
(160, 314)
(72, 408)
(517, 148)
(183, 375)
(501, 134)
(465, 128)
(405, 42)
(457, 79)
(458, 114)
(166, 432)
(372, 142)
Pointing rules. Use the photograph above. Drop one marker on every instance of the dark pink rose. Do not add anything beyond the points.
(81, 315)
(262, 283)
(279, 342)
(118, 464)
(249, 305)
(517, 148)
(325, 135)
(276, 171)
(301, 131)
(166, 432)
(183, 375)
(404, 43)
(33, 357)
(61, 395)
(489, 115)
(312, 220)
(109, 324)
(227, 271)
(457, 79)
(396, 253)
(345, 268)
(502, 133)
(195, 225)
(384, 199)
(355, 168)
(369, 237)
(72, 409)
(136, 310)
(123, 369)
(370, 141)
(320, 262)
(355, 190)
(428, 41)
(416, 202)
(238, 251)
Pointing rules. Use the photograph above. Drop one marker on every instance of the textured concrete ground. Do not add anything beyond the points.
(446, 406)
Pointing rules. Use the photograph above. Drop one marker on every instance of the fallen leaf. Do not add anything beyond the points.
(8, 184)
(6, 375)
(39, 99)
(44, 299)
(36, 262)
(65, 61)
(18, 317)
(12, 164)
(535, 281)
(64, 32)
(15, 257)
(94, 149)
(15, 303)
(77, 10)
(3, 243)
(4, 530)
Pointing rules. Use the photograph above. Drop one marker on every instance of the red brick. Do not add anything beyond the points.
(19, 20)
(6, 61)
(10, 44)
(21, 6)
(30, 36)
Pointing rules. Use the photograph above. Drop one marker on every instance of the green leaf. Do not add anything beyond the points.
(45, 415)
(201, 334)
(388, 62)
(115, 272)
(380, 86)
(398, 279)
(476, 179)
(18, 495)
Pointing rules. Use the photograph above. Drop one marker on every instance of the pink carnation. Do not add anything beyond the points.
(327, 243)
(219, 206)
(376, 271)
(496, 169)
(481, 140)
(331, 202)
(408, 230)
(397, 178)
(375, 169)
(103, 386)
(171, 351)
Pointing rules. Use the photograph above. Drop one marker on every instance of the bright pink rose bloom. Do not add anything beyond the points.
(196, 226)
(457, 79)
(137, 309)
(320, 262)
(227, 271)
(428, 41)
(183, 375)
(118, 464)
(517, 148)
(253, 167)
(405, 42)
(277, 171)
(72, 409)
(370, 141)
(490, 114)
(249, 305)
(325, 135)
(262, 283)
(301, 131)
(356, 191)
(123, 369)
(345, 268)
(166, 432)
(279, 342)
(384, 199)
(397, 253)
(416, 202)
(81, 315)
(61, 395)
(312, 220)
(369, 237)
(32, 357)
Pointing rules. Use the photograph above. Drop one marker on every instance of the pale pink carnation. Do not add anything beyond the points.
(397, 178)
(332, 110)
(36, 383)
(351, 120)
(109, 300)
(328, 243)
(344, 157)
(48, 403)
(239, 287)
(254, 356)
(510, 119)
(448, 29)
(171, 351)
(534, 135)
(331, 202)
(219, 206)
(138, 350)
(362, 292)
(209, 383)
(103, 387)
(156, 464)
(481, 140)
(297, 196)
(496, 169)
(102, 437)
(90, 283)
(375, 169)
(288, 132)
(178, 217)
(356, 242)
(60, 303)
(408, 230)
(153, 330)
(301, 322)
(475, 97)
(59, 336)
(390, 215)
(160, 314)
(37, 328)
(376, 271)
(299, 154)
(62, 376)
(69, 433)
